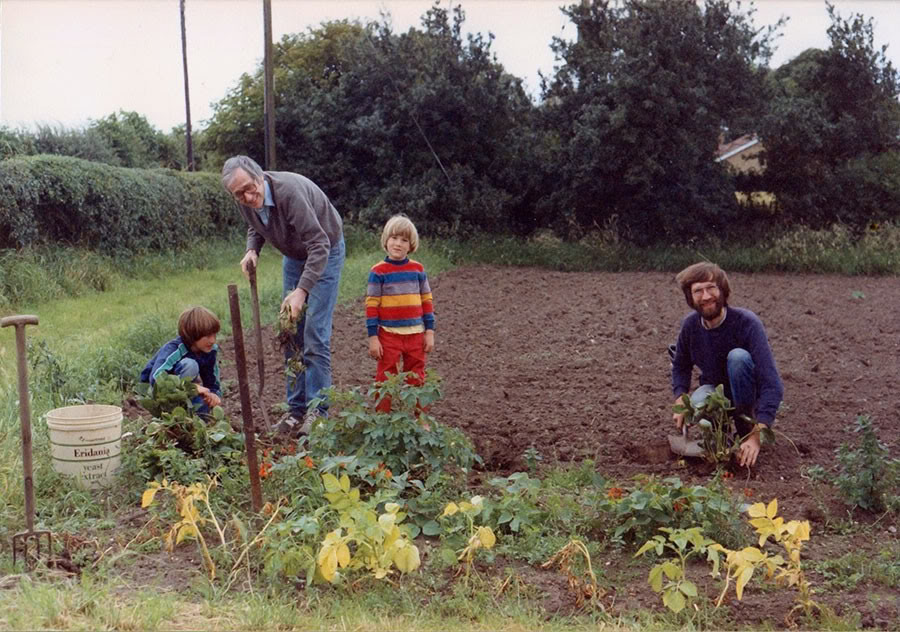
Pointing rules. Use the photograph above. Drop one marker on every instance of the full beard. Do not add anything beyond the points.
(711, 311)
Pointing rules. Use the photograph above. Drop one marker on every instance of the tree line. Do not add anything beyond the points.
(623, 138)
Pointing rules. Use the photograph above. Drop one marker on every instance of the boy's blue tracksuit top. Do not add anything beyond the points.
(172, 353)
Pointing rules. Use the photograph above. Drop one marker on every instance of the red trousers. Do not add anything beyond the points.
(408, 348)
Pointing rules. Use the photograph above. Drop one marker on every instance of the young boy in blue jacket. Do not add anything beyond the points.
(192, 355)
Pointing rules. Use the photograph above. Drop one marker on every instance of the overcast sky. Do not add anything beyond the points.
(67, 61)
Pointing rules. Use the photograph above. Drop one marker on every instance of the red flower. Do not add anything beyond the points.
(309, 462)
(677, 505)
(615, 493)
(264, 469)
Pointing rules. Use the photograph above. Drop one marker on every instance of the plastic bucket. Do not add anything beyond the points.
(85, 442)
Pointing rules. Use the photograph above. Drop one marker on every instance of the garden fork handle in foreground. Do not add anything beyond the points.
(260, 360)
(24, 409)
(19, 322)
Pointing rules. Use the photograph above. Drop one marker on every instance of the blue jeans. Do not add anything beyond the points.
(188, 367)
(314, 330)
(742, 384)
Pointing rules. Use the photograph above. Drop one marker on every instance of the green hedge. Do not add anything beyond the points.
(56, 199)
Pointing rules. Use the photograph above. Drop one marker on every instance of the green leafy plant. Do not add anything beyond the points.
(636, 515)
(532, 458)
(868, 477)
(166, 394)
(180, 445)
(670, 577)
(517, 508)
(405, 439)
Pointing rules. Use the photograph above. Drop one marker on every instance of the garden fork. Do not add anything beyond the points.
(20, 540)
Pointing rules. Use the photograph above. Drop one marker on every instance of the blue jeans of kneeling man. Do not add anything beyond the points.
(742, 384)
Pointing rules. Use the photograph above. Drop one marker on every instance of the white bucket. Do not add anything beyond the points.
(85, 443)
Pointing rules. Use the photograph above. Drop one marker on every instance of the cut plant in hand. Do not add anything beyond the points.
(714, 417)
(287, 342)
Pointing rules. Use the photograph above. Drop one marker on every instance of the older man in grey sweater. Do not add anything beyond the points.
(293, 214)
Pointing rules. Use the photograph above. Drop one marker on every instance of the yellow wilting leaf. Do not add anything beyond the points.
(148, 496)
(331, 482)
(380, 573)
(757, 510)
(343, 555)
(745, 576)
(406, 558)
(328, 563)
(345, 483)
(386, 522)
(186, 530)
(487, 537)
(772, 509)
(450, 509)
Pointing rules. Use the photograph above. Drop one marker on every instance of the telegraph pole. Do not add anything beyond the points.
(189, 144)
(269, 92)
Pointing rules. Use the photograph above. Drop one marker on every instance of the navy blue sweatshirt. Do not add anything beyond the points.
(708, 349)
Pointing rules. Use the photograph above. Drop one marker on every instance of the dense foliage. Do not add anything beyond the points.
(638, 106)
(831, 131)
(56, 199)
(123, 139)
(422, 122)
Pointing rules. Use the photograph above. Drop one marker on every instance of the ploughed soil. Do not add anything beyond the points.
(574, 365)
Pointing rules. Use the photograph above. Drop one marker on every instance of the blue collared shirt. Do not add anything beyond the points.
(268, 203)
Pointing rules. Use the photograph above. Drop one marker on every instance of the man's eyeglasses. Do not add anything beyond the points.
(240, 193)
(697, 292)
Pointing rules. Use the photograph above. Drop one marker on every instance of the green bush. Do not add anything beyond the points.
(868, 477)
(407, 439)
(62, 200)
(636, 515)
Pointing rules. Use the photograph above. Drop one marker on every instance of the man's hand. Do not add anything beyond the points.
(750, 448)
(429, 340)
(251, 258)
(678, 418)
(295, 301)
(375, 350)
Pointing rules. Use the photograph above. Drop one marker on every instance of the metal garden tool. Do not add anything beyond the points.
(260, 361)
(680, 444)
(20, 540)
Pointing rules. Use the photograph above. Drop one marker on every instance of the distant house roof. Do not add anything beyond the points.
(736, 146)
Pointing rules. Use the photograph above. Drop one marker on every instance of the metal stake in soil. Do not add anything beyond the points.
(240, 361)
(20, 540)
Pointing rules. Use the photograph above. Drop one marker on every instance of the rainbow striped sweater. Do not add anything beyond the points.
(398, 298)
